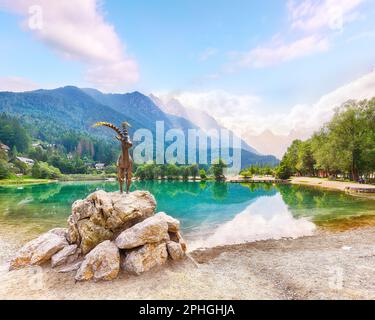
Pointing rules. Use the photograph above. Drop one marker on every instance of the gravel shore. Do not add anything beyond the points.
(327, 265)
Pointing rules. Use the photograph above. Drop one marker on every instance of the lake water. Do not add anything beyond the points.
(211, 213)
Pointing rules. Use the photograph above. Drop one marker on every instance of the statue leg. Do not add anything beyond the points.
(121, 177)
(129, 176)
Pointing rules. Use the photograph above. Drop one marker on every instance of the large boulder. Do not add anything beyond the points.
(151, 230)
(102, 215)
(92, 234)
(102, 263)
(145, 258)
(39, 250)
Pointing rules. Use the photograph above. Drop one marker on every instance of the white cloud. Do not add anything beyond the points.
(278, 52)
(78, 31)
(244, 115)
(279, 130)
(314, 116)
(311, 15)
(16, 84)
(310, 30)
(222, 105)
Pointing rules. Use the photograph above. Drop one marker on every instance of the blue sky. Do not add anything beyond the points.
(252, 57)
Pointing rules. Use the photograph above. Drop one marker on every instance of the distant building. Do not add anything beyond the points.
(99, 166)
(43, 146)
(4, 147)
(26, 160)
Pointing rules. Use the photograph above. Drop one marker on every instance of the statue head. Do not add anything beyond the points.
(124, 137)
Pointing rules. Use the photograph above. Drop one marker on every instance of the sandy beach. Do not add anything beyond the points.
(328, 265)
(332, 185)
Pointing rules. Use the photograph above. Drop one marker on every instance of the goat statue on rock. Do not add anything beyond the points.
(124, 162)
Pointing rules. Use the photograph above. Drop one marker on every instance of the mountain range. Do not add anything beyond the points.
(70, 108)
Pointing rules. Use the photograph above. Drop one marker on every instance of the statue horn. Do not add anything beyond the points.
(109, 125)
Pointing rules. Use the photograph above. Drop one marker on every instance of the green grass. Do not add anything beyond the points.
(86, 177)
(23, 180)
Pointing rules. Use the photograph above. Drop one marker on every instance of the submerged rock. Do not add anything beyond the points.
(145, 258)
(102, 263)
(151, 230)
(38, 251)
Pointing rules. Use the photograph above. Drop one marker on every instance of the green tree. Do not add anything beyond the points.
(36, 171)
(203, 174)
(173, 171)
(194, 171)
(140, 173)
(283, 171)
(22, 167)
(306, 162)
(185, 171)
(5, 169)
(42, 170)
(218, 169)
(13, 134)
(349, 131)
(291, 157)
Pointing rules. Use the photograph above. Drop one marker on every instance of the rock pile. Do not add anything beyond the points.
(107, 233)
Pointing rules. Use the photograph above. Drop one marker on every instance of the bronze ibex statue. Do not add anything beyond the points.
(124, 162)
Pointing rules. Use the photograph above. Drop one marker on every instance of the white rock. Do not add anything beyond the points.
(173, 224)
(144, 258)
(70, 268)
(38, 251)
(151, 230)
(102, 263)
(121, 209)
(62, 232)
(65, 256)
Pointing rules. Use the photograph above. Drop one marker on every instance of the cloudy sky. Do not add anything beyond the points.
(254, 65)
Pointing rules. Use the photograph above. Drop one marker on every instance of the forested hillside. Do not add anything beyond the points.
(60, 122)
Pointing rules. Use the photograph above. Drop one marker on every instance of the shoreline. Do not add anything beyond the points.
(327, 265)
(335, 186)
(25, 182)
(305, 181)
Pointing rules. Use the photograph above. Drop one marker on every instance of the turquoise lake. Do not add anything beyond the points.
(210, 213)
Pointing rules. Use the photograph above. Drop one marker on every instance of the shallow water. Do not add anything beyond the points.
(211, 213)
